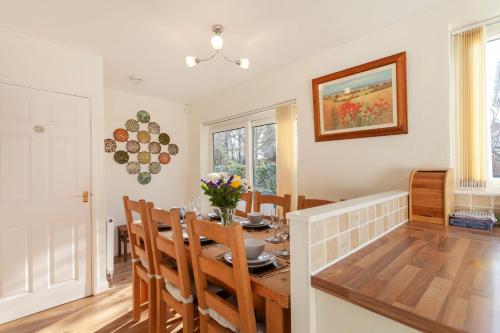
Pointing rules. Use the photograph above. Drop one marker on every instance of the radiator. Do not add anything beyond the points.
(110, 245)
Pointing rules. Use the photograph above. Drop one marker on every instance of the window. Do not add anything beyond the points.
(493, 99)
(229, 152)
(264, 158)
(247, 148)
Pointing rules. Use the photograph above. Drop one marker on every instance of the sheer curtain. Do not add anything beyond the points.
(469, 62)
(286, 151)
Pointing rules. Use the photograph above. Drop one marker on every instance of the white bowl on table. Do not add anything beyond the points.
(254, 248)
(255, 217)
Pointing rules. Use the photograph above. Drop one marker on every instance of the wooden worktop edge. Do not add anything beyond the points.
(400, 315)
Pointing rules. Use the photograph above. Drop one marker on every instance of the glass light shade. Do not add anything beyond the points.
(191, 61)
(244, 63)
(217, 42)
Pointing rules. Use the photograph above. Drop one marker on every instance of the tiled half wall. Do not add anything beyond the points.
(337, 236)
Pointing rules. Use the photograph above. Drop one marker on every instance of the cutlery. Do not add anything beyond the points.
(277, 272)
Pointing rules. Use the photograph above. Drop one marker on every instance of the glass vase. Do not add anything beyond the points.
(226, 215)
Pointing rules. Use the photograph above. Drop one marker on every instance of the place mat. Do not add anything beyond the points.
(258, 272)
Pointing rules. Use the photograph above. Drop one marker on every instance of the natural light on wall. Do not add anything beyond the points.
(493, 94)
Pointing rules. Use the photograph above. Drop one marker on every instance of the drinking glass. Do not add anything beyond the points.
(275, 224)
(285, 235)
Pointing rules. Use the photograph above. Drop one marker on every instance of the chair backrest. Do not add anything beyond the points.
(235, 278)
(173, 248)
(285, 202)
(140, 243)
(247, 197)
(303, 203)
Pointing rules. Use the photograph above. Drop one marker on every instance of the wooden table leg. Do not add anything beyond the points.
(119, 244)
(125, 250)
(276, 317)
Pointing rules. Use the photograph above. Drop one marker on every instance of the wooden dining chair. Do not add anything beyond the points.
(303, 203)
(217, 314)
(173, 282)
(284, 202)
(143, 281)
(247, 197)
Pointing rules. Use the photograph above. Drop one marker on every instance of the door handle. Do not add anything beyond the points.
(85, 196)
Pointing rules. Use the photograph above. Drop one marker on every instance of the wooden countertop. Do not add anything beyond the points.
(429, 277)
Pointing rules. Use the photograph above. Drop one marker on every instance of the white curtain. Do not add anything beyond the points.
(286, 151)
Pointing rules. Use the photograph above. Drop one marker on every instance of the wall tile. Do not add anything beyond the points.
(363, 215)
(363, 234)
(405, 200)
(481, 200)
(318, 255)
(392, 220)
(331, 226)
(386, 223)
(396, 203)
(462, 200)
(354, 238)
(371, 213)
(385, 208)
(379, 210)
(371, 230)
(343, 222)
(332, 249)
(401, 202)
(354, 219)
(317, 232)
(344, 243)
(391, 205)
(379, 226)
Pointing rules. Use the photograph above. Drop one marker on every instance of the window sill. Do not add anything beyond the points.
(489, 191)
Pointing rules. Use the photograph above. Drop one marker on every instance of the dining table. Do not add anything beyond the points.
(273, 287)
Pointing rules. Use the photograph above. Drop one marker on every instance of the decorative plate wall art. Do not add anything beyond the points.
(141, 147)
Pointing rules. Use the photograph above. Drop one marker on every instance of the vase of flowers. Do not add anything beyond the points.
(224, 192)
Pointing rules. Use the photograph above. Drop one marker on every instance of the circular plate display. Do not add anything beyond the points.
(154, 147)
(132, 125)
(154, 167)
(143, 137)
(144, 157)
(120, 135)
(109, 145)
(144, 178)
(164, 158)
(133, 168)
(173, 149)
(143, 116)
(164, 139)
(121, 157)
(133, 146)
(153, 128)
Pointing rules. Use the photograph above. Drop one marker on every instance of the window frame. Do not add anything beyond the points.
(492, 33)
(246, 122)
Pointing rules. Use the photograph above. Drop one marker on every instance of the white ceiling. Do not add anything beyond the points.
(150, 38)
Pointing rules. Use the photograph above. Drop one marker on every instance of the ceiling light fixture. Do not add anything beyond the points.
(217, 43)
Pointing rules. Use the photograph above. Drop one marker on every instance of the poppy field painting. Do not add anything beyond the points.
(367, 100)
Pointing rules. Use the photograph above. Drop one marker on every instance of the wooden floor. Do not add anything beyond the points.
(106, 312)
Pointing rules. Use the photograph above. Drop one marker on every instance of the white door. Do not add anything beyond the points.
(44, 223)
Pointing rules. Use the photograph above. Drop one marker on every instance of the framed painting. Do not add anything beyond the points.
(363, 101)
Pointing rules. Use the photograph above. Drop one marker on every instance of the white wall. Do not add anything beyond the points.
(40, 64)
(351, 168)
(167, 188)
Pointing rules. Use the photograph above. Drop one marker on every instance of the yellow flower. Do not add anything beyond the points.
(236, 182)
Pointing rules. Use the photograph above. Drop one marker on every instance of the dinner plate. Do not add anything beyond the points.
(213, 216)
(186, 237)
(260, 225)
(266, 258)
